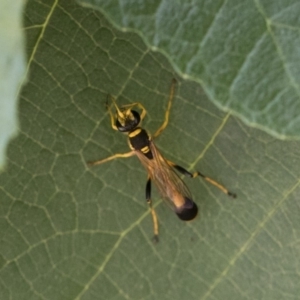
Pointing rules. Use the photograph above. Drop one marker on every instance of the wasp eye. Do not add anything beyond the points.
(130, 122)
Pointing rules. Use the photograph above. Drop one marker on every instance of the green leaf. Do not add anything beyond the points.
(244, 53)
(73, 232)
(12, 69)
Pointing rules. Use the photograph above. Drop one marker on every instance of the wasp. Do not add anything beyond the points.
(160, 170)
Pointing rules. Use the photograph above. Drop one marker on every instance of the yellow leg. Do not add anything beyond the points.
(215, 183)
(153, 213)
(208, 179)
(118, 155)
(166, 121)
(112, 117)
(155, 224)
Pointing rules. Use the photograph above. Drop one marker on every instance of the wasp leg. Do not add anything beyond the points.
(118, 155)
(153, 213)
(112, 117)
(208, 179)
(166, 121)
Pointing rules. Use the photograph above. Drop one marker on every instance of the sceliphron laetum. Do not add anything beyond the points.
(160, 170)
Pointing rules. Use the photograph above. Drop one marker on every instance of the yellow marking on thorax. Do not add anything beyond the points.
(135, 133)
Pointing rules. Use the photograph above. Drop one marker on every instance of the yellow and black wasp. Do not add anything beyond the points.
(160, 170)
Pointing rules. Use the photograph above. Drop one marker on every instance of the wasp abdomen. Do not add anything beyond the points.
(140, 140)
(188, 211)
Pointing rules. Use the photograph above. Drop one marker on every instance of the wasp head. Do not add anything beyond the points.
(127, 119)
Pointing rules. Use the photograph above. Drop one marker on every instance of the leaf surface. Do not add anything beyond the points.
(244, 53)
(73, 232)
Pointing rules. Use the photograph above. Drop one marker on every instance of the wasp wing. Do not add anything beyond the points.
(169, 184)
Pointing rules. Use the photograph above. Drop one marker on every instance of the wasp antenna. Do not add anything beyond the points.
(120, 114)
